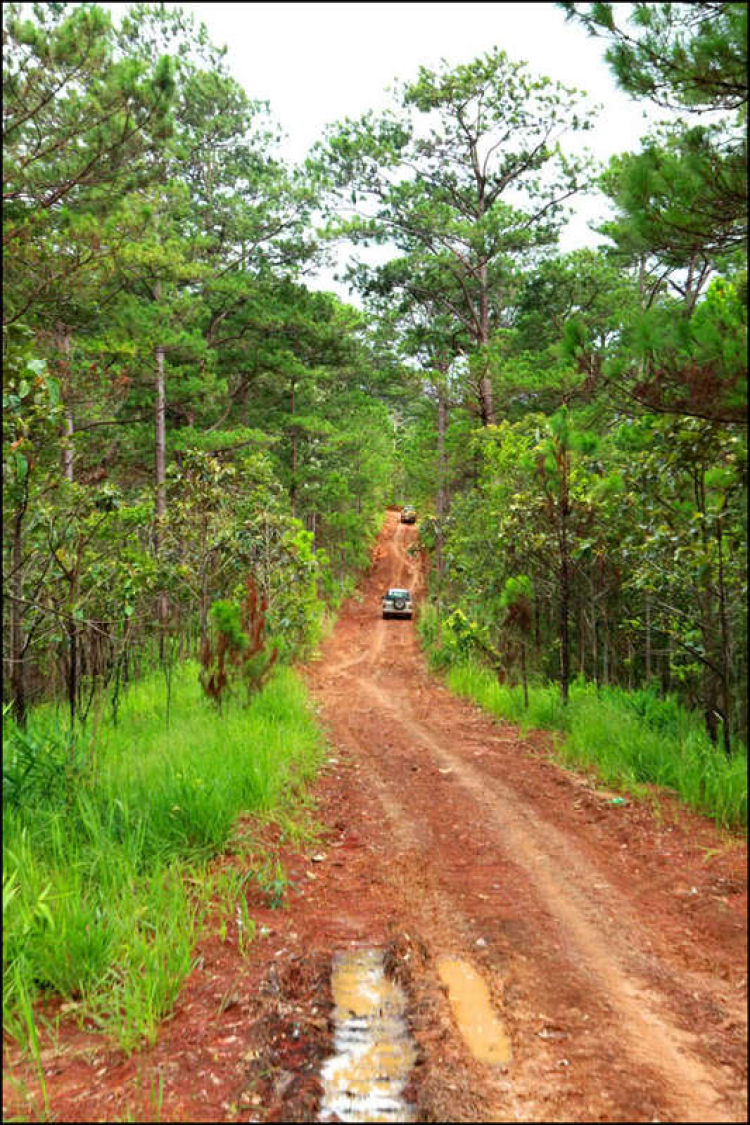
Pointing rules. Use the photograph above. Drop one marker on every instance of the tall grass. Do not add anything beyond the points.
(627, 738)
(98, 840)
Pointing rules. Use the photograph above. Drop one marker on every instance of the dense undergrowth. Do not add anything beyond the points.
(627, 738)
(107, 839)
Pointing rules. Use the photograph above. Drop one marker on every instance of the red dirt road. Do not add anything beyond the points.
(612, 938)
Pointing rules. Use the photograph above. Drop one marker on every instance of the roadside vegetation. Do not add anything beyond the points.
(578, 449)
(109, 833)
(626, 738)
(198, 448)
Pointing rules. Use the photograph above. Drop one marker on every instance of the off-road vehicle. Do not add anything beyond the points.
(397, 603)
(408, 514)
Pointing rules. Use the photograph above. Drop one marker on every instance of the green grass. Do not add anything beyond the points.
(626, 738)
(106, 846)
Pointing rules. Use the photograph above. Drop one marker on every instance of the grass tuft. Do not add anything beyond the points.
(627, 738)
(99, 841)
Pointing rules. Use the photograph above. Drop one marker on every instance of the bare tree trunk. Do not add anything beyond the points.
(17, 639)
(666, 665)
(595, 645)
(564, 582)
(293, 486)
(160, 448)
(160, 437)
(62, 340)
(724, 641)
(72, 670)
(442, 494)
(486, 405)
(67, 451)
(524, 679)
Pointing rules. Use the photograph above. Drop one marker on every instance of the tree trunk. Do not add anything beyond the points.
(666, 665)
(564, 582)
(67, 453)
(204, 613)
(524, 679)
(160, 438)
(595, 645)
(486, 405)
(72, 670)
(442, 494)
(724, 641)
(160, 452)
(62, 339)
(293, 485)
(17, 640)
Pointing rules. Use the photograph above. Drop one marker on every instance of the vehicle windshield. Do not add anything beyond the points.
(398, 594)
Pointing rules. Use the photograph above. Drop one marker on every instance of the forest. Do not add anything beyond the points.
(199, 447)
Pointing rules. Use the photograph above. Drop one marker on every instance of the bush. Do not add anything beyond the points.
(240, 656)
(41, 764)
(95, 903)
(628, 738)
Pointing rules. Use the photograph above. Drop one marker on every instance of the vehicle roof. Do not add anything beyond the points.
(396, 590)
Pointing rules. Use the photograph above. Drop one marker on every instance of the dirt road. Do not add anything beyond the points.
(611, 938)
(619, 980)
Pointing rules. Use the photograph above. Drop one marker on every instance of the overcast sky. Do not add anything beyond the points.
(316, 63)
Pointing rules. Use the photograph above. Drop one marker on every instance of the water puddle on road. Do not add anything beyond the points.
(366, 1077)
(469, 997)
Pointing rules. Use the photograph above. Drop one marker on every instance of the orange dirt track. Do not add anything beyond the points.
(612, 938)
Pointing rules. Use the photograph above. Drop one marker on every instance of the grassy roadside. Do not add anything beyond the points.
(626, 738)
(107, 840)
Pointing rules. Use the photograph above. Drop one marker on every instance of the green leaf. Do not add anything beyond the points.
(22, 466)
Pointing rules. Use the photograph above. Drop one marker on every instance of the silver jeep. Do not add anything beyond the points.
(397, 603)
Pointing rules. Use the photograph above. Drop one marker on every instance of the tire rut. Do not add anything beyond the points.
(469, 854)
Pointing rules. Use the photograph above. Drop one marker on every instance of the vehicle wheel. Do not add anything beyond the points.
(399, 603)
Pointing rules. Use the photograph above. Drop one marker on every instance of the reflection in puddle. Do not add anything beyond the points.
(365, 1079)
(470, 999)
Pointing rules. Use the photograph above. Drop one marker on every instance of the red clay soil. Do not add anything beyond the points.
(612, 937)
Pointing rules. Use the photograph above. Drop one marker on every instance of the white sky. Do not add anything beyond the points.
(320, 62)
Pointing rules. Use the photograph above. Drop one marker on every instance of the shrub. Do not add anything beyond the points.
(240, 655)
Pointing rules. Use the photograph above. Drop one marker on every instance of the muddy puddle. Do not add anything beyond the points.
(469, 997)
(365, 1078)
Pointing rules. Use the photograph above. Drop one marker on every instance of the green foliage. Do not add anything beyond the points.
(40, 766)
(462, 636)
(240, 655)
(153, 241)
(439, 195)
(626, 739)
(97, 904)
(681, 205)
(226, 617)
(691, 56)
